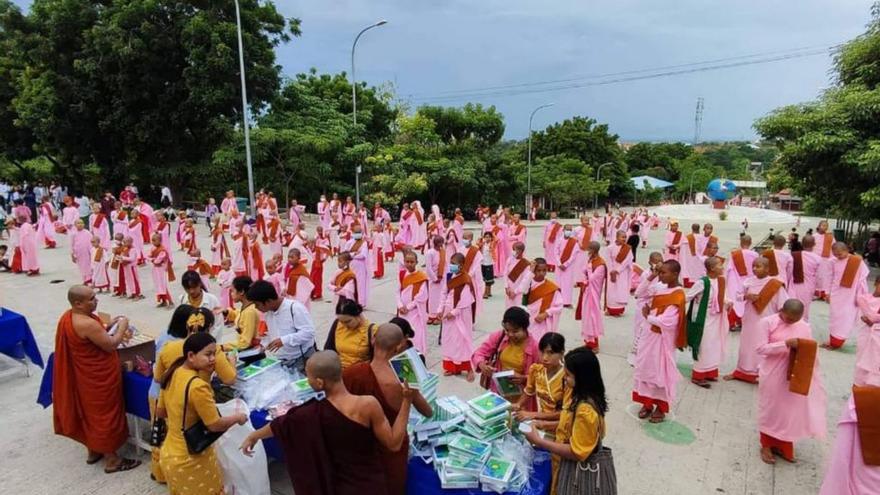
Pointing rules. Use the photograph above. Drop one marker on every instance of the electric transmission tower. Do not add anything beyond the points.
(698, 121)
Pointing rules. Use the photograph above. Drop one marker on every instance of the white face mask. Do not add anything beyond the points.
(567, 234)
(467, 243)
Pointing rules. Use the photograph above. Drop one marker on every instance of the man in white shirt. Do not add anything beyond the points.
(85, 208)
(166, 195)
(291, 330)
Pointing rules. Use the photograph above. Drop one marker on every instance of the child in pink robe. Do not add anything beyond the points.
(500, 247)
(456, 342)
(297, 284)
(785, 417)
(517, 272)
(689, 256)
(119, 217)
(516, 232)
(224, 283)
(805, 268)
(99, 226)
(81, 251)
(543, 301)
(343, 283)
(867, 369)
(160, 260)
(276, 278)
(412, 301)
(672, 242)
(645, 289)
(435, 267)
(181, 229)
(656, 375)
(131, 280)
(219, 247)
(824, 241)
(738, 270)
(99, 256)
(552, 237)
(114, 267)
(360, 254)
(46, 224)
(377, 250)
(136, 233)
(589, 310)
(566, 265)
(619, 261)
(849, 280)
(715, 326)
(763, 296)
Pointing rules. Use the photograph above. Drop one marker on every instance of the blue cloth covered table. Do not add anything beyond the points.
(421, 477)
(16, 339)
(135, 389)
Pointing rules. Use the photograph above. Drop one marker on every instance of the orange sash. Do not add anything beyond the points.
(203, 267)
(293, 278)
(595, 263)
(519, 228)
(712, 240)
(638, 270)
(419, 218)
(867, 401)
(692, 244)
(676, 239)
(441, 266)
(767, 293)
(675, 298)
(545, 293)
(553, 232)
(169, 270)
(623, 253)
(117, 251)
(722, 288)
(459, 219)
(853, 263)
(771, 257)
(99, 220)
(469, 259)
(797, 274)
(416, 279)
(587, 237)
(517, 269)
(570, 243)
(99, 254)
(121, 215)
(800, 366)
(739, 262)
(356, 246)
(345, 277)
(456, 285)
(826, 244)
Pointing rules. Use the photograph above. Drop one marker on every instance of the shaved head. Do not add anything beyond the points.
(792, 311)
(655, 257)
(745, 241)
(712, 262)
(388, 337)
(325, 365)
(808, 243)
(778, 242)
(761, 261)
(79, 293)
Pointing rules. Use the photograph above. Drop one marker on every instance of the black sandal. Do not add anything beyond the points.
(124, 465)
(94, 460)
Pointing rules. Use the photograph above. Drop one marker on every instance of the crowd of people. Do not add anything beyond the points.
(685, 296)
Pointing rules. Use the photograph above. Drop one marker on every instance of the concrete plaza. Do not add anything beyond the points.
(721, 456)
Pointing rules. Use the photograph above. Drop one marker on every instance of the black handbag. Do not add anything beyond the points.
(158, 431)
(198, 437)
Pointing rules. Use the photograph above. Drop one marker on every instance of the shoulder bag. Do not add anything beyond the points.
(198, 437)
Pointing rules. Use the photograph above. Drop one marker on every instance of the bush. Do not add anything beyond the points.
(722, 216)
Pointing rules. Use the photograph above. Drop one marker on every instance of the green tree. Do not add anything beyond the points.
(565, 181)
(656, 159)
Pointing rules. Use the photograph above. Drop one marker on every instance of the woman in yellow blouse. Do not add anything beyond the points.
(188, 473)
(351, 334)
(583, 461)
(546, 382)
(509, 349)
(247, 319)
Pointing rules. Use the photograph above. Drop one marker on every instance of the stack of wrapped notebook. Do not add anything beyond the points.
(487, 417)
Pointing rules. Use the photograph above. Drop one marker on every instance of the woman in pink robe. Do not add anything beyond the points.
(99, 258)
(323, 209)
(589, 310)
(715, 327)
(120, 220)
(619, 263)
(360, 262)
(843, 314)
(99, 226)
(412, 301)
(46, 224)
(517, 272)
(418, 226)
(435, 267)
(566, 267)
(81, 251)
(160, 261)
(785, 417)
(544, 302)
(456, 344)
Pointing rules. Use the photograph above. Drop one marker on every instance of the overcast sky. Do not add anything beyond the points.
(429, 48)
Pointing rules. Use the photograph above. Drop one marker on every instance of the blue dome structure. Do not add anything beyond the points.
(720, 190)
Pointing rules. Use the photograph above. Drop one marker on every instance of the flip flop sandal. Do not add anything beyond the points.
(94, 460)
(125, 465)
(644, 413)
(657, 418)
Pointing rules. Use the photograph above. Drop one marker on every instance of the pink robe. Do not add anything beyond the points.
(644, 292)
(102, 232)
(804, 292)
(785, 265)
(70, 215)
(751, 337)
(501, 251)
(592, 323)
(304, 288)
(27, 243)
(843, 314)
(513, 237)
(227, 205)
(782, 414)
(277, 281)
(867, 369)
(129, 271)
(81, 249)
(669, 246)
(224, 282)
(847, 472)
(618, 291)
(323, 214)
(240, 251)
(566, 271)
(823, 280)
(456, 343)
(360, 266)
(346, 291)
(735, 280)
(135, 231)
(417, 314)
(419, 231)
(715, 329)
(551, 324)
(692, 266)
(550, 247)
(436, 283)
(100, 275)
(476, 275)
(516, 286)
(656, 375)
(45, 224)
(160, 274)
(119, 226)
(294, 214)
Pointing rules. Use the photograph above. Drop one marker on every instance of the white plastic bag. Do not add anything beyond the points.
(242, 475)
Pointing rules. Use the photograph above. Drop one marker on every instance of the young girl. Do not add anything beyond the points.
(100, 276)
(219, 248)
(546, 382)
(343, 283)
(136, 234)
(297, 284)
(181, 227)
(582, 459)
(274, 276)
(224, 281)
(457, 313)
(130, 280)
(487, 265)
(160, 259)
(115, 271)
(80, 251)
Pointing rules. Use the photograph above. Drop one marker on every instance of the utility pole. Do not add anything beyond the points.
(698, 121)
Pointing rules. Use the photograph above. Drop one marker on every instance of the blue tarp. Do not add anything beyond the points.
(654, 182)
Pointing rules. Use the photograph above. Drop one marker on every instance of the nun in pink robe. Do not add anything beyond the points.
(500, 249)
(750, 338)
(81, 252)
(120, 222)
(99, 227)
(566, 268)
(323, 209)
(69, 216)
(303, 290)
(554, 311)
(823, 281)
(159, 258)
(715, 330)
(412, 306)
(100, 275)
(618, 289)
(436, 282)
(551, 240)
(590, 310)
(643, 294)
(656, 376)
(294, 215)
(785, 415)
(45, 224)
(735, 280)
(805, 291)
(513, 289)
(360, 262)
(843, 314)
(456, 342)
(347, 290)
(418, 226)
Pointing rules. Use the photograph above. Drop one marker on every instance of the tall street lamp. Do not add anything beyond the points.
(354, 115)
(691, 187)
(529, 188)
(596, 195)
(244, 114)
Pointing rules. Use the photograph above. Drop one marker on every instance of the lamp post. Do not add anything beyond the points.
(691, 186)
(529, 187)
(596, 195)
(244, 114)
(354, 118)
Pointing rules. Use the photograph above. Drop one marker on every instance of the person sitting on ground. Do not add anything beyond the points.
(332, 445)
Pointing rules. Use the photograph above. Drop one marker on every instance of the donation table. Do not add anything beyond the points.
(16, 339)
(421, 477)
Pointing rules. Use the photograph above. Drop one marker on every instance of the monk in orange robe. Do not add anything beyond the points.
(87, 382)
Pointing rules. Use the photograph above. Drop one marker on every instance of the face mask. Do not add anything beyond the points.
(454, 269)
(467, 243)
(567, 234)
(553, 220)
(357, 236)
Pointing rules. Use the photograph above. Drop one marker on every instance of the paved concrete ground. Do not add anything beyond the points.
(723, 458)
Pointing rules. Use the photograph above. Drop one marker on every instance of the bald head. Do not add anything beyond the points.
(388, 337)
(840, 250)
(325, 365)
(711, 263)
(594, 246)
(792, 311)
(79, 293)
(809, 242)
(778, 242)
(745, 241)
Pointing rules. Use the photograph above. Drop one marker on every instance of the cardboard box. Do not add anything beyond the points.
(143, 345)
